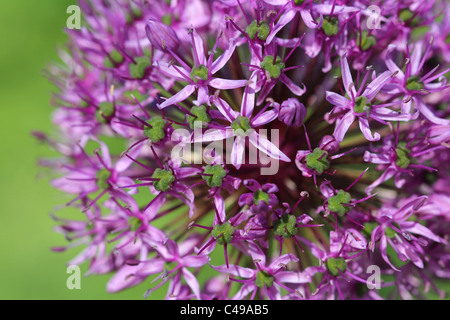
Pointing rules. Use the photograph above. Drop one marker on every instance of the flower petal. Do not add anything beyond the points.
(224, 57)
(181, 95)
(284, 20)
(237, 153)
(263, 144)
(376, 85)
(295, 89)
(342, 126)
(347, 77)
(192, 282)
(222, 84)
(365, 129)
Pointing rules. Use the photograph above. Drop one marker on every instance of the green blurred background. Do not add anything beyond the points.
(30, 32)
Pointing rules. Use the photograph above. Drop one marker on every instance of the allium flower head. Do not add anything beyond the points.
(304, 142)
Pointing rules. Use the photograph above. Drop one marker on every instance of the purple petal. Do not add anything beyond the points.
(220, 205)
(325, 9)
(419, 229)
(202, 96)
(264, 118)
(213, 135)
(337, 99)
(256, 253)
(342, 126)
(276, 2)
(365, 129)
(195, 261)
(124, 278)
(177, 73)
(427, 113)
(284, 20)
(248, 102)
(124, 163)
(383, 158)
(376, 85)
(295, 89)
(246, 198)
(281, 261)
(237, 153)
(222, 84)
(234, 270)
(416, 57)
(182, 95)
(225, 109)
(308, 19)
(264, 145)
(293, 277)
(192, 282)
(198, 44)
(347, 78)
(224, 57)
(151, 267)
(252, 184)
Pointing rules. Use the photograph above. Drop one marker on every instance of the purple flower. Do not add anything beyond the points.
(292, 112)
(242, 124)
(270, 278)
(414, 86)
(200, 75)
(358, 104)
(407, 238)
(161, 36)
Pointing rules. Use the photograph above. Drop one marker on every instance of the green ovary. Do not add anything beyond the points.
(335, 203)
(200, 73)
(317, 160)
(333, 265)
(262, 29)
(114, 58)
(137, 70)
(362, 106)
(274, 69)
(264, 279)
(330, 27)
(134, 223)
(215, 176)
(260, 195)
(367, 41)
(200, 114)
(413, 83)
(105, 110)
(165, 177)
(223, 233)
(155, 132)
(285, 226)
(241, 123)
(103, 175)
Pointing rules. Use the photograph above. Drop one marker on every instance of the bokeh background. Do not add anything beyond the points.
(30, 33)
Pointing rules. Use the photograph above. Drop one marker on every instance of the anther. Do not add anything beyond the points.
(304, 194)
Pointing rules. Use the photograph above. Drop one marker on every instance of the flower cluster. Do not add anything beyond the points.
(165, 109)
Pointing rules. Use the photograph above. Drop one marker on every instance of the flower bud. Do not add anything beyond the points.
(292, 112)
(329, 144)
(161, 36)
